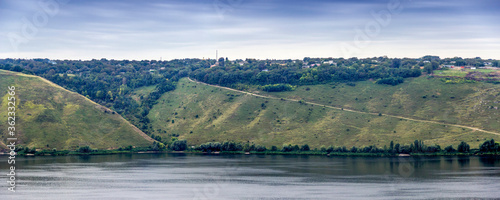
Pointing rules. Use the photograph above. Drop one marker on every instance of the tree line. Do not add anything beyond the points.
(417, 146)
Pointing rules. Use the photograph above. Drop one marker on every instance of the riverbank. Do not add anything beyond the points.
(317, 153)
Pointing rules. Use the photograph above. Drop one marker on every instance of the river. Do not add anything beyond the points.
(192, 176)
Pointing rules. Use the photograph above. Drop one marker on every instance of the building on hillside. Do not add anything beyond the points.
(330, 62)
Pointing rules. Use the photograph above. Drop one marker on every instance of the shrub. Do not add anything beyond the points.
(85, 149)
(278, 88)
(390, 81)
(179, 145)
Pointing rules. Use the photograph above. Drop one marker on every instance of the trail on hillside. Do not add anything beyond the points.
(350, 110)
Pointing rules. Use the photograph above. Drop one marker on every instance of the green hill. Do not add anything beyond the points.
(332, 114)
(49, 116)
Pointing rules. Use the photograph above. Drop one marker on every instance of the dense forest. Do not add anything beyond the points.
(110, 82)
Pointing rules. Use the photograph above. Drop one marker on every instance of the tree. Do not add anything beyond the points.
(391, 147)
(16, 68)
(305, 147)
(463, 147)
(179, 145)
(449, 149)
(397, 148)
(330, 149)
(221, 62)
(322, 148)
(110, 95)
(496, 63)
(287, 148)
(428, 68)
(489, 146)
(435, 65)
(85, 149)
(396, 63)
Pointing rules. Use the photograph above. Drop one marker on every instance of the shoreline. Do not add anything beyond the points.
(315, 153)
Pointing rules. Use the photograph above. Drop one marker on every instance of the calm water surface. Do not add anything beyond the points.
(186, 176)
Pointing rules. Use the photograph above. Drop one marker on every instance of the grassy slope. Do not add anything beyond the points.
(49, 114)
(142, 91)
(228, 115)
(471, 104)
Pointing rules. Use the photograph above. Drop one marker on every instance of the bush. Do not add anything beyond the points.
(274, 148)
(390, 81)
(489, 146)
(179, 145)
(85, 149)
(449, 149)
(278, 88)
(463, 147)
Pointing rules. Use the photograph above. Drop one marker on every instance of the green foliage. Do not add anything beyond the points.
(391, 81)
(457, 80)
(85, 149)
(463, 147)
(278, 88)
(489, 146)
(179, 145)
(449, 149)
(216, 146)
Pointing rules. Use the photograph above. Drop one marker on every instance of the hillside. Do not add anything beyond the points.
(49, 116)
(332, 114)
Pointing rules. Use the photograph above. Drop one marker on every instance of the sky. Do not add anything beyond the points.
(239, 29)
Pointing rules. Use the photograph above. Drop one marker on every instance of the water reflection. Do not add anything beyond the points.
(187, 176)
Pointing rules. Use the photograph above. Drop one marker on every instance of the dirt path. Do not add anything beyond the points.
(350, 110)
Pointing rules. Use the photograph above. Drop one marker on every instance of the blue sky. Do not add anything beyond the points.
(126, 29)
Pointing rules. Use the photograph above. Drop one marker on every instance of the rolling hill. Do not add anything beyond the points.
(338, 114)
(49, 116)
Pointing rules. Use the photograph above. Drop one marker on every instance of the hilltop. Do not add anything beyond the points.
(49, 116)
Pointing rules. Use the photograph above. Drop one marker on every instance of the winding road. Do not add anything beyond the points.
(350, 110)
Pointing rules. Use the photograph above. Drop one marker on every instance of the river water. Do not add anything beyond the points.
(190, 176)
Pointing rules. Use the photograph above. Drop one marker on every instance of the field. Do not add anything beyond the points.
(202, 113)
(491, 75)
(48, 116)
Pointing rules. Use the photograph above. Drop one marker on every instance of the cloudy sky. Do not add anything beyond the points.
(169, 29)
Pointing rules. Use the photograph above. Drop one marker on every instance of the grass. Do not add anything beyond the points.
(50, 117)
(201, 113)
(462, 72)
(471, 104)
(142, 92)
